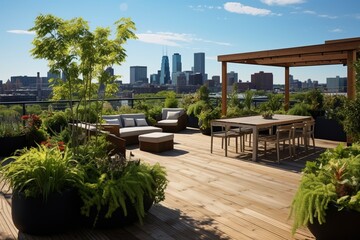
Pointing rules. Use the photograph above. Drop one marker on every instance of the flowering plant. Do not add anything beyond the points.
(50, 143)
(34, 133)
(33, 121)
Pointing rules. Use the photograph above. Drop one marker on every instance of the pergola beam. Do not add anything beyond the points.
(341, 51)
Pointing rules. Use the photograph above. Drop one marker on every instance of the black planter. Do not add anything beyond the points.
(117, 219)
(339, 225)
(8, 145)
(193, 121)
(35, 216)
(329, 129)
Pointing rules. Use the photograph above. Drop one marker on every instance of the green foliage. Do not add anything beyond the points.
(33, 109)
(248, 99)
(301, 109)
(196, 108)
(41, 171)
(114, 181)
(206, 115)
(315, 99)
(351, 123)
(234, 100)
(10, 123)
(333, 179)
(274, 103)
(54, 122)
(334, 107)
(171, 100)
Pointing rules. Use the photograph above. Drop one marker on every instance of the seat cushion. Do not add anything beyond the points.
(156, 137)
(129, 122)
(135, 131)
(167, 122)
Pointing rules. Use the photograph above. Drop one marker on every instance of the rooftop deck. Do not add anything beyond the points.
(209, 196)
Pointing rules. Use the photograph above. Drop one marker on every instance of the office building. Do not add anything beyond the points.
(336, 84)
(138, 75)
(199, 64)
(262, 81)
(176, 67)
(165, 71)
(232, 77)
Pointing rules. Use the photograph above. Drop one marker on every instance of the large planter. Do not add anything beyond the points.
(8, 145)
(117, 219)
(193, 121)
(329, 129)
(339, 225)
(60, 212)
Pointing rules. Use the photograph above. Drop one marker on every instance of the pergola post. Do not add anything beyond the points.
(287, 88)
(224, 88)
(351, 82)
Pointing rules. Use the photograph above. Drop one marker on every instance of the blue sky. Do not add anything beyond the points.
(187, 26)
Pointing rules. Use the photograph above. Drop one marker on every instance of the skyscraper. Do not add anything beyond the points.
(138, 74)
(199, 64)
(165, 71)
(176, 67)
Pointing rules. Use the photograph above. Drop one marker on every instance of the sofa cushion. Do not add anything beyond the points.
(114, 121)
(116, 116)
(131, 115)
(164, 112)
(135, 131)
(129, 122)
(172, 115)
(167, 122)
(141, 122)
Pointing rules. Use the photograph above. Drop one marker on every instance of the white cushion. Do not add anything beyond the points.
(172, 115)
(136, 131)
(167, 122)
(129, 122)
(112, 121)
(141, 122)
(156, 137)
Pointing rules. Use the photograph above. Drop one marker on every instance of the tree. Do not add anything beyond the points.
(82, 56)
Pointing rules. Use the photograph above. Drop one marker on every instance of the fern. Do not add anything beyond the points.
(334, 179)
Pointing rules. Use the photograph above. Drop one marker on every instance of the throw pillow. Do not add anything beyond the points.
(129, 122)
(173, 115)
(141, 122)
(112, 121)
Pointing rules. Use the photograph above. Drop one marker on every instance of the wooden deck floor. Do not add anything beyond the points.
(209, 196)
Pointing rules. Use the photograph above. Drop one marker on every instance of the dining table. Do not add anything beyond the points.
(256, 123)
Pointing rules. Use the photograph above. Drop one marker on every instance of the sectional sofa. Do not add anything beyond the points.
(128, 126)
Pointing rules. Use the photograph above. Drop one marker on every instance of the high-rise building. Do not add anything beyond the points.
(199, 64)
(110, 70)
(138, 75)
(232, 77)
(336, 84)
(176, 67)
(262, 81)
(165, 71)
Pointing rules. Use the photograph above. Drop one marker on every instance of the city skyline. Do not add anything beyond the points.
(212, 27)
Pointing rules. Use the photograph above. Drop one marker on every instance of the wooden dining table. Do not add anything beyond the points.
(255, 123)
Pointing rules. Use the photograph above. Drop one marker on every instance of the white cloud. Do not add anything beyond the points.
(24, 32)
(123, 7)
(173, 39)
(202, 8)
(327, 16)
(309, 12)
(282, 2)
(239, 8)
(336, 30)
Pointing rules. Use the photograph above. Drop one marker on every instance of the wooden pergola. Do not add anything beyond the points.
(341, 51)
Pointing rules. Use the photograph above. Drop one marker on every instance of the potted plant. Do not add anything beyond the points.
(118, 191)
(328, 198)
(44, 182)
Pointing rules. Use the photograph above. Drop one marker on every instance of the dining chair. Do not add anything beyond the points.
(299, 134)
(283, 134)
(224, 134)
(309, 133)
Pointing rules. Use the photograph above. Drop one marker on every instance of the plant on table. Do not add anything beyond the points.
(333, 180)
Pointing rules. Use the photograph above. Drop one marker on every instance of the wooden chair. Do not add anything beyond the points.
(223, 134)
(283, 133)
(299, 134)
(309, 133)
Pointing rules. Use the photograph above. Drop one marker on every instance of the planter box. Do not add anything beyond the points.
(329, 129)
(193, 121)
(8, 145)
